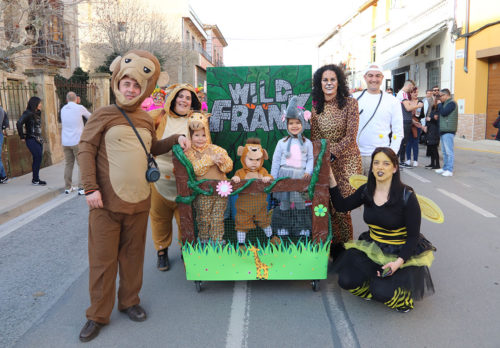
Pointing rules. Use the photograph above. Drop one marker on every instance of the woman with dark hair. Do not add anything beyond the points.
(390, 262)
(335, 117)
(29, 128)
(411, 111)
(181, 101)
(432, 137)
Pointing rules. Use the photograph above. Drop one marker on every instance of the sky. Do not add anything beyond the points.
(273, 32)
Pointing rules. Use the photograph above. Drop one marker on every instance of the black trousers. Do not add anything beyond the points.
(434, 153)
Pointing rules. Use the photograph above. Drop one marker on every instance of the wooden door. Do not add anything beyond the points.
(493, 97)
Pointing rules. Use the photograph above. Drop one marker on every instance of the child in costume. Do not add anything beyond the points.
(251, 208)
(158, 96)
(201, 97)
(209, 162)
(293, 157)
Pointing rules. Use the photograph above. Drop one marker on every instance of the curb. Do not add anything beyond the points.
(29, 204)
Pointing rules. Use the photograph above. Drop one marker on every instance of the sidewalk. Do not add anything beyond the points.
(18, 195)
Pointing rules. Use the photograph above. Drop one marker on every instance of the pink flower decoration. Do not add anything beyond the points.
(307, 115)
(301, 107)
(224, 188)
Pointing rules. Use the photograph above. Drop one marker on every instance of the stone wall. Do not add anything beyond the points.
(471, 127)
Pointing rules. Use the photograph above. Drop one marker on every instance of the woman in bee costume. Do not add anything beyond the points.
(390, 262)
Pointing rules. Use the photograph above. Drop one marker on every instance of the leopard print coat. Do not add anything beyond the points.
(340, 127)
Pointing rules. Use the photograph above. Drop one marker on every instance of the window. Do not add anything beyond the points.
(433, 77)
(373, 48)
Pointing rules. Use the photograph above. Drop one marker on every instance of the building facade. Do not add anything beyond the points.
(194, 46)
(411, 40)
(477, 67)
(28, 64)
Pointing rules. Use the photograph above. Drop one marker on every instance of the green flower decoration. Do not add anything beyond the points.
(320, 210)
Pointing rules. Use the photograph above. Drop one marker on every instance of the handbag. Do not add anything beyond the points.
(152, 173)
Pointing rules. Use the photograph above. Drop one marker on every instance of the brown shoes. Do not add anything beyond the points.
(135, 313)
(90, 331)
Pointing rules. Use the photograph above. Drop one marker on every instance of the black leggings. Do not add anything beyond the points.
(433, 152)
(36, 150)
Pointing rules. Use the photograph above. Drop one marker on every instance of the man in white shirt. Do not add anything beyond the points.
(405, 91)
(380, 117)
(72, 128)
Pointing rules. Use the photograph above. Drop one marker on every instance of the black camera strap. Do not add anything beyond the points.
(374, 112)
(148, 155)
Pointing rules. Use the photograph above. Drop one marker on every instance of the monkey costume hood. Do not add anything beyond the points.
(143, 67)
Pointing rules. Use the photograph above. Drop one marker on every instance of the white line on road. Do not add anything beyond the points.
(237, 333)
(344, 331)
(12, 225)
(416, 176)
(468, 204)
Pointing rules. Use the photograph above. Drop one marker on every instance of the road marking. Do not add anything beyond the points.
(416, 176)
(477, 150)
(468, 204)
(237, 333)
(21, 220)
(342, 330)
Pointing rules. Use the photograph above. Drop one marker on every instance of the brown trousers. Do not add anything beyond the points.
(162, 212)
(116, 241)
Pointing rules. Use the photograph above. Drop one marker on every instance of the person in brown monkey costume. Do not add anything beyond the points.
(251, 208)
(113, 167)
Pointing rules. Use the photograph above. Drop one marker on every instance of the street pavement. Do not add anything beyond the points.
(44, 279)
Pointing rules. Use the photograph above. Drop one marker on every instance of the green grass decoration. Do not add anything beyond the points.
(315, 174)
(286, 261)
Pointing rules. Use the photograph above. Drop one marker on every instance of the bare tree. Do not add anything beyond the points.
(119, 26)
(25, 24)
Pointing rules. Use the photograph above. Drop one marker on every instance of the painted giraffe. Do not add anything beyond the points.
(262, 268)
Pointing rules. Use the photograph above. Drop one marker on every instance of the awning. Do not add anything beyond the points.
(395, 52)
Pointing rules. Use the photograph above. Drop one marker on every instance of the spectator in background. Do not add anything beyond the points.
(409, 107)
(72, 115)
(29, 128)
(448, 119)
(435, 92)
(432, 136)
(390, 91)
(404, 93)
(4, 124)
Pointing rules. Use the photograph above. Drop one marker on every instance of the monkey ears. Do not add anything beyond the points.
(163, 79)
(115, 63)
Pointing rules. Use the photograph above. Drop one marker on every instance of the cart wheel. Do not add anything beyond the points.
(315, 285)
(197, 283)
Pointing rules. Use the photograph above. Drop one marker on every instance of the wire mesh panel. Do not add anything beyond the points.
(255, 230)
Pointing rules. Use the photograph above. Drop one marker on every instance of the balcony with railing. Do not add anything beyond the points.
(50, 52)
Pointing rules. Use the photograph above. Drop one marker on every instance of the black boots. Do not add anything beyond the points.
(163, 264)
